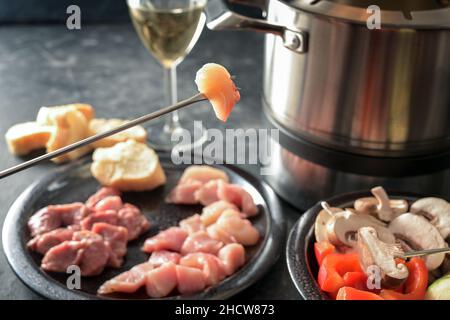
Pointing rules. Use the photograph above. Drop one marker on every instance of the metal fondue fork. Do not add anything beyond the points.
(421, 253)
(196, 98)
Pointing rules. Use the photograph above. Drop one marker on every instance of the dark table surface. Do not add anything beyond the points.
(106, 66)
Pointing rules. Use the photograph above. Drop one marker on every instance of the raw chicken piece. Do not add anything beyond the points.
(184, 193)
(208, 193)
(55, 216)
(129, 281)
(214, 81)
(236, 194)
(190, 280)
(192, 224)
(108, 216)
(161, 281)
(169, 239)
(216, 232)
(200, 242)
(232, 257)
(90, 254)
(131, 218)
(212, 212)
(44, 242)
(241, 229)
(210, 265)
(203, 174)
(158, 258)
(109, 203)
(101, 194)
(116, 237)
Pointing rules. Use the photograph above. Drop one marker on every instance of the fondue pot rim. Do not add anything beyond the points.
(424, 19)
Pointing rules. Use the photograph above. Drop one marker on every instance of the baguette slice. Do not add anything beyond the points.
(96, 126)
(45, 114)
(69, 126)
(22, 138)
(128, 166)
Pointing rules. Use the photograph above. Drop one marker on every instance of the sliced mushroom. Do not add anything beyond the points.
(380, 205)
(384, 209)
(419, 234)
(437, 211)
(374, 252)
(343, 227)
(320, 226)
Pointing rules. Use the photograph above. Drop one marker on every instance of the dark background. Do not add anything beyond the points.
(104, 63)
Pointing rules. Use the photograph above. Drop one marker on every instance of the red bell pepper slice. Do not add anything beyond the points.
(322, 249)
(357, 280)
(333, 269)
(349, 293)
(416, 284)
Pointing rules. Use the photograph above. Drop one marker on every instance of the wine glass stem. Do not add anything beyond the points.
(170, 86)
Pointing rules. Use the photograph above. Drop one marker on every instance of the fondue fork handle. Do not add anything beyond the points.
(7, 172)
(421, 253)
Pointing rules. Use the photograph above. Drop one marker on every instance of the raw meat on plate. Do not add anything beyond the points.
(169, 239)
(232, 256)
(203, 174)
(158, 258)
(200, 242)
(90, 254)
(211, 266)
(129, 281)
(212, 212)
(192, 224)
(100, 195)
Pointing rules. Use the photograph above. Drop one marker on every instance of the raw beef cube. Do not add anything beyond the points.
(116, 237)
(108, 216)
(109, 203)
(44, 242)
(131, 218)
(101, 194)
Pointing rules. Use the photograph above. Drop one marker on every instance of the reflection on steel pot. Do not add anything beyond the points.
(332, 82)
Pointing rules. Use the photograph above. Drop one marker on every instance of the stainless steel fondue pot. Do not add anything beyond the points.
(355, 106)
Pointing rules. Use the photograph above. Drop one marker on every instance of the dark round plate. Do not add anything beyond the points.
(74, 182)
(301, 261)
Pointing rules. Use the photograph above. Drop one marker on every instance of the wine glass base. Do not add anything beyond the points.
(164, 138)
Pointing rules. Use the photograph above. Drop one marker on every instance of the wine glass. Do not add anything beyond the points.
(169, 29)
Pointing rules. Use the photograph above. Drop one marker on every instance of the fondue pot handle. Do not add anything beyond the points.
(221, 18)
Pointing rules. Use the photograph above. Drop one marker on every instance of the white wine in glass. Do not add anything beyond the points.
(169, 29)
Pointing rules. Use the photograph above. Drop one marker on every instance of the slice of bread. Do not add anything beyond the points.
(128, 166)
(69, 126)
(22, 138)
(44, 116)
(96, 126)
